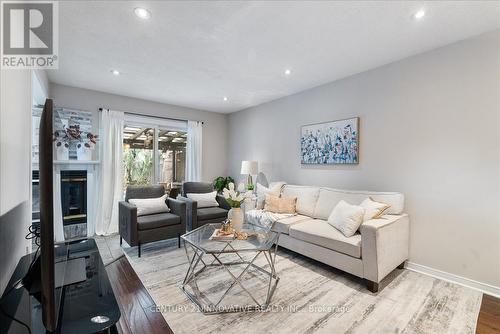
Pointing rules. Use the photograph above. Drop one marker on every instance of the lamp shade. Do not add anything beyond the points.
(249, 167)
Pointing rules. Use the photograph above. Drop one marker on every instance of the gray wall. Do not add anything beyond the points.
(429, 127)
(15, 169)
(214, 128)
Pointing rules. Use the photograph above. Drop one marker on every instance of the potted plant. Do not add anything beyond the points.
(234, 199)
(222, 182)
(61, 141)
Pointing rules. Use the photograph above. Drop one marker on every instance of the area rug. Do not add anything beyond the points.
(310, 298)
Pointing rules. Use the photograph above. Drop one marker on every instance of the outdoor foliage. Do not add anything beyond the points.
(138, 166)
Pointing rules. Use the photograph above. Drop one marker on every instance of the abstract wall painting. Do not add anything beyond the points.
(329, 143)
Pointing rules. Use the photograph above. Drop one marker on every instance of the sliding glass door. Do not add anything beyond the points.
(152, 153)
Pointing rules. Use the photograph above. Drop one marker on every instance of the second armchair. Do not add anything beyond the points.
(197, 216)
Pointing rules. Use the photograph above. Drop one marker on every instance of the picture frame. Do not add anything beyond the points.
(330, 143)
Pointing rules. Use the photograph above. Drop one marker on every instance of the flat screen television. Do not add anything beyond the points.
(52, 270)
(47, 275)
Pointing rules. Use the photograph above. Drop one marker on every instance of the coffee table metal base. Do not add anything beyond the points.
(217, 307)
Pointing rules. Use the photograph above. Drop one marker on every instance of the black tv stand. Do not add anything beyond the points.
(86, 293)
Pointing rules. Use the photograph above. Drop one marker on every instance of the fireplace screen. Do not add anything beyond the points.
(74, 203)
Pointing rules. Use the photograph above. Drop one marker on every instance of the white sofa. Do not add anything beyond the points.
(374, 251)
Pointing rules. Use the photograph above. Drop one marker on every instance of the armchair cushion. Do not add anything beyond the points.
(211, 213)
(205, 200)
(149, 206)
(156, 221)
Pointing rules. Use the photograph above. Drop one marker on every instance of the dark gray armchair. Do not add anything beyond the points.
(160, 226)
(197, 217)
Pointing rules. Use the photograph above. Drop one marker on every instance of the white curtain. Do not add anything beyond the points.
(109, 189)
(194, 151)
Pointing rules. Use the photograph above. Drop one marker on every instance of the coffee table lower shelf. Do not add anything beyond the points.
(217, 261)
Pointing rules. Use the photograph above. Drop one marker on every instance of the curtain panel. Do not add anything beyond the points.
(194, 151)
(110, 190)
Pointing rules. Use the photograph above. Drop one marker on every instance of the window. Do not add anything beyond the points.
(154, 154)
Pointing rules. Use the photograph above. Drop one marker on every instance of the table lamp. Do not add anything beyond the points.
(250, 168)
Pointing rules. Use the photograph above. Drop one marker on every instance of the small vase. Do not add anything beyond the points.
(236, 216)
(84, 153)
(62, 152)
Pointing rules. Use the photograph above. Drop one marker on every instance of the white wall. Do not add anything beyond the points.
(15, 151)
(214, 128)
(429, 127)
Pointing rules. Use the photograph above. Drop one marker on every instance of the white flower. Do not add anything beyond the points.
(231, 186)
(225, 193)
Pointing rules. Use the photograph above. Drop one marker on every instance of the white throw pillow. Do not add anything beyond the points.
(373, 209)
(205, 200)
(273, 189)
(346, 218)
(149, 206)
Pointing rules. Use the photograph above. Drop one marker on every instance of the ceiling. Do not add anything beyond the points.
(193, 53)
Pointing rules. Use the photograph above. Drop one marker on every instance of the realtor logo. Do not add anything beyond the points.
(29, 34)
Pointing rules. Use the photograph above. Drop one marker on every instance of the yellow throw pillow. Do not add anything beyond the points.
(280, 205)
(373, 209)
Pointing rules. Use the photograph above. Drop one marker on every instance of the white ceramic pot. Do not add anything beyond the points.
(62, 152)
(236, 216)
(84, 153)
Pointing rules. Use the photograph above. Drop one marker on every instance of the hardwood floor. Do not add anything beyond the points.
(489, 316)
(137, 306)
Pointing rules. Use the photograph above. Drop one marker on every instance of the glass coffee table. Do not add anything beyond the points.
(218, 263)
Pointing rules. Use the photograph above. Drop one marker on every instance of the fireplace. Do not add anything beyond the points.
(74, 203)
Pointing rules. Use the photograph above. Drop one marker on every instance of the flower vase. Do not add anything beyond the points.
(236, 216)
(62, 152)
(84, 153)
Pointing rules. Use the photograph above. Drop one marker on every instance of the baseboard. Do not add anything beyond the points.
(469, 283)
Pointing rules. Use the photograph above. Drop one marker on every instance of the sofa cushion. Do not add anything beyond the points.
(329, 197)
(211, 213)
(320, 233)
(156, 221)
(306, 198)
(283, 225)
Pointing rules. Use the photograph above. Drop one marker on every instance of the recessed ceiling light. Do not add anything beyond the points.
(142, 13)
(115, 72)
(420, 14)
(225, 98)
(288, 72)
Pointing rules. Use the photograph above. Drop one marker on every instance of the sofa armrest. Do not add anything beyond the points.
(127, 224)
(222, 202)
(191, 212)
(384, 245)
(178, 207)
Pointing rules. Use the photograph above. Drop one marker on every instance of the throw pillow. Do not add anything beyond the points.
(373, 209)
(280, 205)
(346, 218)
(205, 200)
(149, 206)
(273, 189)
